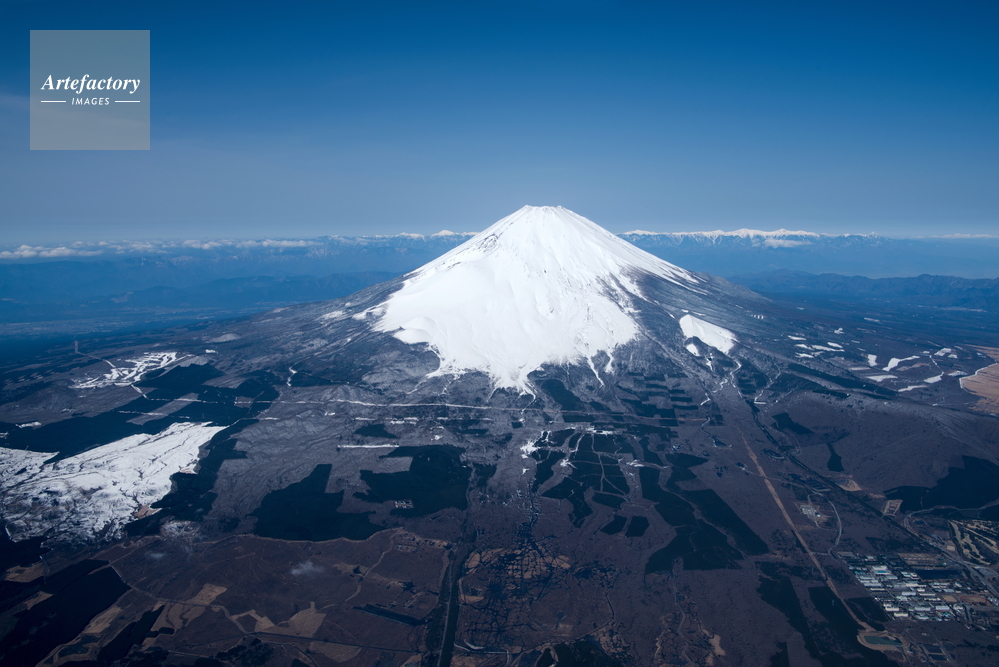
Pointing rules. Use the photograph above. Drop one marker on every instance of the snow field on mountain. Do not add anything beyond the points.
(710, 334)
(98, 489)
(541, 286)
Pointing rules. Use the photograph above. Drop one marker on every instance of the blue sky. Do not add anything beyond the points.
(300, 119)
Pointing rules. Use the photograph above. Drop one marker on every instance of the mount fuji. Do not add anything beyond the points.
(545, 447)
(541, 286)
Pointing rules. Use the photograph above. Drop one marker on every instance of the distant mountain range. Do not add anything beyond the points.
(235, 295)
(41, 278)
(101, 287)
(744, 251)
(924, 290)
(95, 269)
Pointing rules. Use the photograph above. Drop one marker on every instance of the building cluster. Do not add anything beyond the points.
(918, 587)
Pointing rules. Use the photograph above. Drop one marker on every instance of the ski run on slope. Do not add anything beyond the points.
(541, 286)
(97, 491)
(124, 376)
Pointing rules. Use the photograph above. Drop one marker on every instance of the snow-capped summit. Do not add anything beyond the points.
(541, 286)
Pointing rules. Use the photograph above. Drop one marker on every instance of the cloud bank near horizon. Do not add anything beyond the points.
(780, 238)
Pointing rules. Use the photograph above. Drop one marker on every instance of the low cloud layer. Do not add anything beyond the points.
(33, 252)
(306, 568)
(111, 248)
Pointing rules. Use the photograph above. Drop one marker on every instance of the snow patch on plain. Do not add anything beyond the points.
(541, 286)
(709, 334)
(529, 448)
(881, 378)
(95, 492)
(893, 362)
(872, 360)
(818, 348)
